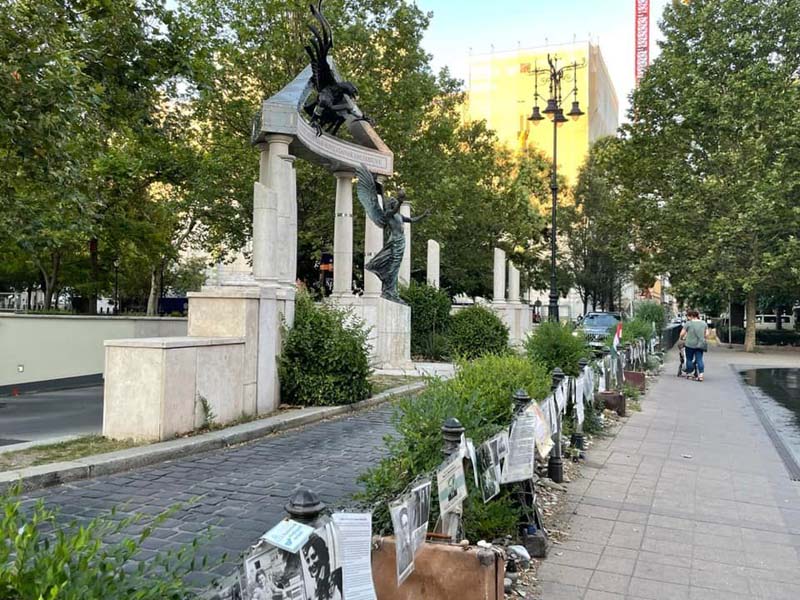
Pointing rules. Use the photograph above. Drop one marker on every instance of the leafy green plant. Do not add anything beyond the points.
(430, 317)
(475, 331)
(324, 359)
(652, 312)
(635, 329)
(479, 396)
(43, 558)
(209, 416)
(554, 345)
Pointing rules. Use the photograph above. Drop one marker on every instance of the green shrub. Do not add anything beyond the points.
(652, 312)
(554, 345)
(41, 558)
(324, 360)
(430, 317)
(635, 329)
(475, 331)
(480, 397)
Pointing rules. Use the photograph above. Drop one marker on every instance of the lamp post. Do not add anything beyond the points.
(116, 286)
(555, 75)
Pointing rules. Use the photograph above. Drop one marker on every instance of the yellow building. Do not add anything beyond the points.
(500, 90)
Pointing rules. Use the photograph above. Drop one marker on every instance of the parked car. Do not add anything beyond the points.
(596, 326)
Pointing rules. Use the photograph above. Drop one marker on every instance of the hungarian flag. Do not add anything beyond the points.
(617, 335)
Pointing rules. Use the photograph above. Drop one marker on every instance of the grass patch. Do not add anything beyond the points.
(381, 383)
(63, 451)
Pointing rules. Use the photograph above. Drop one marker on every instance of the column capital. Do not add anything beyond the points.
(279, 138)
(290, 158)
(344, 174)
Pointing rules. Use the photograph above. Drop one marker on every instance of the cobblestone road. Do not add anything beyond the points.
(239, 491)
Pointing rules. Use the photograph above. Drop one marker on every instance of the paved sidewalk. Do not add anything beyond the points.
(240, 492)
(689, 501)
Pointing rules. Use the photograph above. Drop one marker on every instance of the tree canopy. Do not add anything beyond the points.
(710, 163)
(125, 135)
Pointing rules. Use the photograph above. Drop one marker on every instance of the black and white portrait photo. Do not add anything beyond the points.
(404, 545)
(273, 574)
(420, 507)
(489, 471)
(322, 568)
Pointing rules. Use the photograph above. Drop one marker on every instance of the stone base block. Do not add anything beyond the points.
(535, 544)
(441, 572)
(390, 329)
(517, 317)
(155, 387)
(613, 401)
(254, 313)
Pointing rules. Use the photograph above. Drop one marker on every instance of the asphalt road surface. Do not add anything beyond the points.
(51, 414)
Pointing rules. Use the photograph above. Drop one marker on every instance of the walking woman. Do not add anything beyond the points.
(695, 336)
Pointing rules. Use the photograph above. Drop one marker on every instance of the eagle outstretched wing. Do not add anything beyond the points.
(367, 192)
(318, 51)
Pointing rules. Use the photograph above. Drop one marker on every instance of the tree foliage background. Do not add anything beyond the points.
(710, 162)
(124, 136)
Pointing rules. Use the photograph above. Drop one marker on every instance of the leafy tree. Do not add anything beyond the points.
(712, 154)
(600, 257)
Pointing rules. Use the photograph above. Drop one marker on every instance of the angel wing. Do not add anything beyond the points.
(321, 44)
(367, 193)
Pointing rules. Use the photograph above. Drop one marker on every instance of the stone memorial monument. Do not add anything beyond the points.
(161, 387)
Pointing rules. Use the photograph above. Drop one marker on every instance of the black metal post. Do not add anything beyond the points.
(578, 441)
(520, 399)
(555, 466)
(553, 309)
(304, 506)
(452, 430)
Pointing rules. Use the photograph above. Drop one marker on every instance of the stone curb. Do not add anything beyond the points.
(33, 478)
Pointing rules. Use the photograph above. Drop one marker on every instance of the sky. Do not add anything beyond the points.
(460, 25)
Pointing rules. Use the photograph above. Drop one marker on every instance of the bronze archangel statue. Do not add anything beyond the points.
(385, 213)
(333, 103)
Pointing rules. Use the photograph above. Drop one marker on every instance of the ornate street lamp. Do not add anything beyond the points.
(555, 75)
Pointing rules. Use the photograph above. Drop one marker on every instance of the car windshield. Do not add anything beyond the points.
(603, 321)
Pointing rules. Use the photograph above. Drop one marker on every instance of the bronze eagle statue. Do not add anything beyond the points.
(334, 101)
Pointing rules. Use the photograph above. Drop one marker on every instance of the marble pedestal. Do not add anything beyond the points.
(517, 317)
(389, 323)
(256, 314)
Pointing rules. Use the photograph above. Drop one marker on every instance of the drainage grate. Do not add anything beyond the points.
(784, 452)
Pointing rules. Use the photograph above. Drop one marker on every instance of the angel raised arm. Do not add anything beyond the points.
(385, 213)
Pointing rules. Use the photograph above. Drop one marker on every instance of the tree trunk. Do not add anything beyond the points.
(152, 299)
(737, 314)
(49, 279)
(750, 331)
(779, 318)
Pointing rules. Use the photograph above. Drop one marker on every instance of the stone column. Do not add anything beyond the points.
(276, 173)
(287, 221)
(265, 223)
(343, 234)
(499, 275)
(513, 283)
(404, 277)
(373, 242)
(432, 274)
